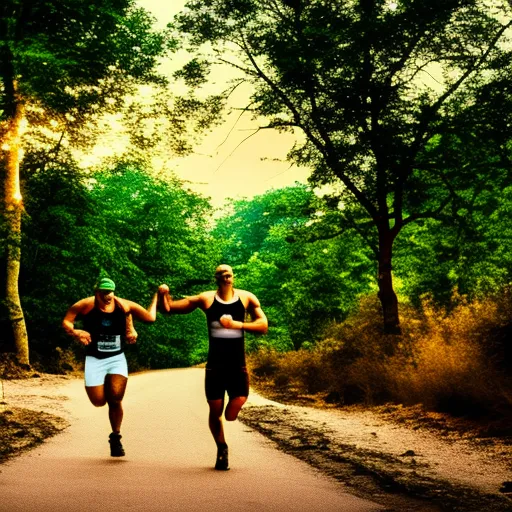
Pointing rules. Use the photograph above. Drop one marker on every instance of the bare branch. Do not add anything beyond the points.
(423, 131)
(237, 146)
(244, 110)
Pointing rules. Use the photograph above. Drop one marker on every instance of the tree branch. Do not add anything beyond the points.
(422, 131)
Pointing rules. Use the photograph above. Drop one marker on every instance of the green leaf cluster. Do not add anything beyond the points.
(303, 282)
(136, 229)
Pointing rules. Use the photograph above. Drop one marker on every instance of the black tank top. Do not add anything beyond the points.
(107, 331)
(227, 347)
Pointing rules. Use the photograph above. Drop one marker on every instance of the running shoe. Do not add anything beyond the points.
(116, 448)
(222, 459)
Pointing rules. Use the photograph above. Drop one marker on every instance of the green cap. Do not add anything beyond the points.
(105, 284)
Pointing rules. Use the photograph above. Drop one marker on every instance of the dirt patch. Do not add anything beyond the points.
(32, 409)
(23, 429)
(405, 458)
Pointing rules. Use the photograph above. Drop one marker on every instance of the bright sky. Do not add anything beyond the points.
(221, 167)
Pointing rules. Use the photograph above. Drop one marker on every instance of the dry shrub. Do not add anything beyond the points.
(445, 360)
(451, 367)
(347, 365)
(298, 371)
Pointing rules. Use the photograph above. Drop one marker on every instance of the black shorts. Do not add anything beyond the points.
(219, 381)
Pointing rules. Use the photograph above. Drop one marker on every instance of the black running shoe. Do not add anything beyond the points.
(222, 459)
(116, 448)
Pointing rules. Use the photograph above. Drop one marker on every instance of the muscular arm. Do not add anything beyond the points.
(138, 312)
(258, 323)
(68, 323)
(181, 306)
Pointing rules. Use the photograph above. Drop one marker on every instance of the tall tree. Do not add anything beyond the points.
(368, 83)
(304, 275)
(63, 62)
(140, 230)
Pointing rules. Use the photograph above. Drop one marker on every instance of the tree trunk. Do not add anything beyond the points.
(387, 295)
(13, 212)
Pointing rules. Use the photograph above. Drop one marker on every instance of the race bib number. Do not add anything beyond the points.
(109, 343)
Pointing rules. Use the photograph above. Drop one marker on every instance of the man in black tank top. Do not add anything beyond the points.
(226, 312)
(107, 326)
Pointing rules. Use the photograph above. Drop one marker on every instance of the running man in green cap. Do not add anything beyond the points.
(107, 323)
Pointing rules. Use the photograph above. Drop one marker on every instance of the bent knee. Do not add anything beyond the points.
(231, 416)
(98, 403)
(114, 402)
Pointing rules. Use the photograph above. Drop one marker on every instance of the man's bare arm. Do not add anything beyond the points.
(181, 306)
(68, 323)
(258, 323)
(139, 313)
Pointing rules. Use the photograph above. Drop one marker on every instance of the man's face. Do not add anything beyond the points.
(105, 296)
(224, 276)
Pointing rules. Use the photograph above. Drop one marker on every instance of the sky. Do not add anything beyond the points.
(223, 166)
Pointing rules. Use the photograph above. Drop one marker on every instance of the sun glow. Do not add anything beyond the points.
(23, 126)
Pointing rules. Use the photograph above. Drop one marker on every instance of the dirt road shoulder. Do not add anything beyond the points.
(377, 455)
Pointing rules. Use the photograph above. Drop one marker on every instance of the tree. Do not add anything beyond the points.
(370, 83)
(123, 223)
(467, 247)
(64, 62)
(304, 279)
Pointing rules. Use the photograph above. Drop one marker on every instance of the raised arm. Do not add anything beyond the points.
(68, 323)
(181, 306)
(139, 313)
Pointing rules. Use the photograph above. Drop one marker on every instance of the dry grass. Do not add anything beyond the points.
(450, 361)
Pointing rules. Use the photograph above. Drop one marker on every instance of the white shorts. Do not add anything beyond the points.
(96, 369)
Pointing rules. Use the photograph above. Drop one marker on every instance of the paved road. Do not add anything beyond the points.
(169, 461)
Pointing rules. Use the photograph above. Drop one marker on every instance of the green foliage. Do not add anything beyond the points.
(302, 283)
(372, 88)
(76, 57)
(138, 230)
(469, 252)
(159, 229)
(194, 73)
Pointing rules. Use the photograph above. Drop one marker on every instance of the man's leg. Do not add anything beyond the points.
(94, 381)
(217, 430)
(238, 392)
(234, 406)
(215, 420)
(96, 395)
(115, 387)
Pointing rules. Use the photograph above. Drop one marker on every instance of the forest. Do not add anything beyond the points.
(386, 277)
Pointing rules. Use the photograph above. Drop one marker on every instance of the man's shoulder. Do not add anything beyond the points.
(206, 298)
(84, 305)
(244, 293)
(124, 304)
(247, 297)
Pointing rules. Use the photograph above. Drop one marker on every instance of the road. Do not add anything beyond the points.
(168, 464)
